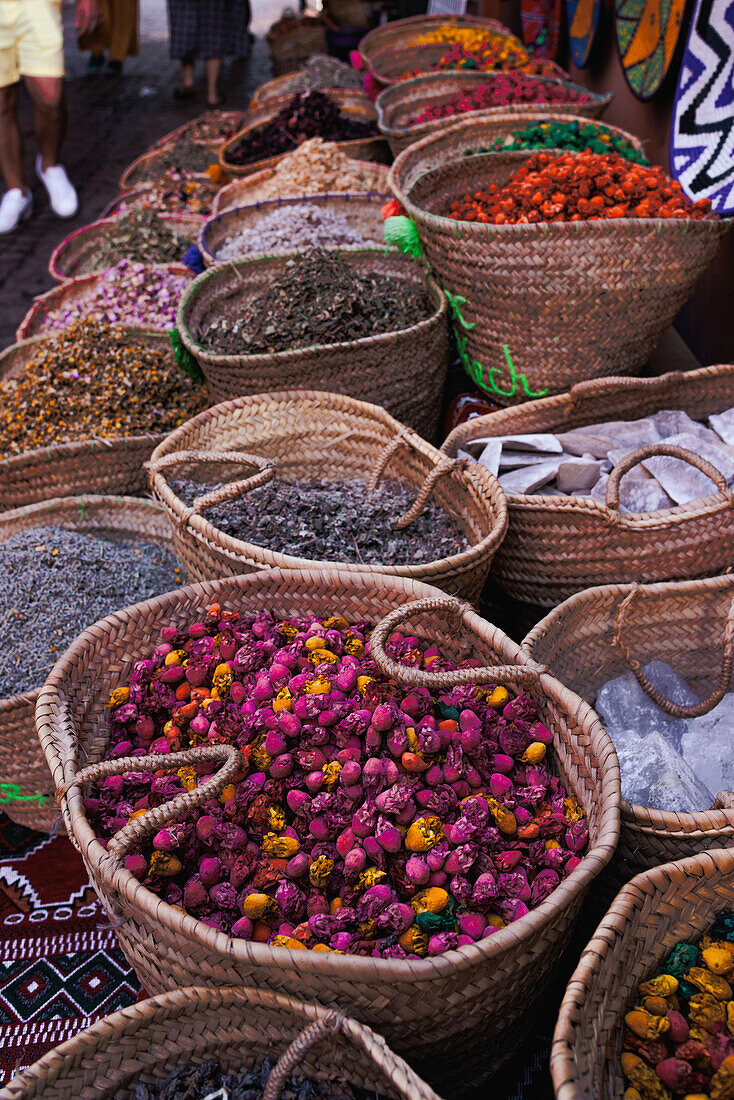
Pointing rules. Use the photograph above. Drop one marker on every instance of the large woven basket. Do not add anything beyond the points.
(24, 765)
(362, 212)
(229, 120)
(72, 292)
(248, 189)
(143, 1044)
(466, 1007)
(273, 89)
(292, 40)
(402, 32)
(658, 909)
(76, 253)
(83, 466)
(352, 104)
(543, 306)
(315, 436)
(556, 546)
(399, 105)
(150, 166)
(614, 629)
(404, 370)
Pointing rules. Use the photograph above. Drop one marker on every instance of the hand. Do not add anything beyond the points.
(88, 15)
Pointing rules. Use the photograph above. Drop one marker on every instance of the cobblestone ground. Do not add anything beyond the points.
(112, 120)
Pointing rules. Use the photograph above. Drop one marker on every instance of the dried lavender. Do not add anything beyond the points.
(54, 583)
(334, 521)
(300, 226)
(319, 299)
(191, 1082)
(138, 235)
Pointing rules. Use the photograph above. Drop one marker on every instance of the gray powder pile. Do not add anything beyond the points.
(334, 521)
(300, 226)
(54, 583)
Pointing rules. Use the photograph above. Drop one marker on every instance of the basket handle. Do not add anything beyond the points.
(629, 461)
(593, 388)
(265, 472)
(293, 1054)
(121, 842)
(677, 710)
(416, 677)
(443, 466)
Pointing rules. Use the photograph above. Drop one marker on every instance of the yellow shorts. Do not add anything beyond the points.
(31, 39)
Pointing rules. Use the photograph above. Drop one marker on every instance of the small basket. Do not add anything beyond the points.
(398, 105)
(401, 32)
(232, 121)
(238, 1027)
(76, 253)
(292, 40)
(145, 170)
(467, 1006)
(361, 211)
(653, 913)
(72, 292)
(82, 466)
(403, 370)
(353, 104)
(24, 764)
(247, 189)
(556, 546)
(606, 632)
(311, 435)
(545, 305)
(276, 88)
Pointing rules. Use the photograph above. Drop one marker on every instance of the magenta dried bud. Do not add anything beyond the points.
(511, 909)
(442, 941)
(355, 861)
(396, 919)
(382, 718)
(289, 724)
(282, 766)
(137, 865)
(165, 841)
(434, 776)
(437, 856)
(543, 884)
(542, 733)
(472, 924)
(417, 870)
(114, 784)
(679, 1029)
(350, 774)
(345, 842)
(195, 894)
(315, 781)
(211, 870)
(461, 831)
(319, 828)
(297, 865)
(275, 743)
(243, 928)
(675, 1073)
(298, 801)
(145, 728)
(387, 835)
(205, 828)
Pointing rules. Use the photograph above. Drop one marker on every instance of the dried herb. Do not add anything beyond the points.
(140, 235)
(191, 1082)
(319, 299)
(308, 115)
(185, 155)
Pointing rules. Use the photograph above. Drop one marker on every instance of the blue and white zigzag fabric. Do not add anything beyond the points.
(702, 132)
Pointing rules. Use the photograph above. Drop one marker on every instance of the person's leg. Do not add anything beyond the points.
(213, 73)
(11, 143)
(49, 116)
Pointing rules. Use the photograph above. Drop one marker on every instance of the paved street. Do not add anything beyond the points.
(111, 121)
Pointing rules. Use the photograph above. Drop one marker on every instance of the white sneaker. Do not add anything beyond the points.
(61, 192)
(16, 207)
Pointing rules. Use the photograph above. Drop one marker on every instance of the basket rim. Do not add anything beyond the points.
(586, 506)
(152, 155)
(685, 825)
(539, 231)
(437, 19)
(275, 358)
(240, 550)
(103, 223)
(174, 920)
(169, 1006)
(266, 173)
(639, 892)
(396, 91)
(357, 198)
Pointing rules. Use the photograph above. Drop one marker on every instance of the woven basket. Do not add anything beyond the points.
(400, 32)
(231, 120)
(556, 546)
(403, 370)
(238, 1027)
(247, 190)
(561, 302)
(468, 1004)
(657, 910)
(362, 212)
(24, 763)
(76, 253)
(72, 292)
(146, 169)
(400, 104)
(314, 435)
(292, 40)
(352, 104)
(608, 631)
(276, 88)
(83, 466)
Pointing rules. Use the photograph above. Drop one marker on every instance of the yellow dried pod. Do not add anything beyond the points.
(323, 947)
(227, 792)
(496, 920)
(260, 757)
(172, 658)
(335, 904)
(314, 642)
(646, 1026)
(353, 646)
(276, 819)
(414, 941)
(705, 1011)
(572, 810)
(497, 697)
(656, 1006)
(506, 822)
(363, 683)
(730, 1017)
(665, 985)
(322, 656)
(714, 984)
(135, 815)
(330, 773)
(370, 877)
(425, 833)
(718, 959)
(256, 906)
(412, 736)
(119, 696)
(431, 900)
(534, 753)
(550, 844)
(288, 941)
(319, 686)
(336, 622)
(283, 701)
(222, 679)
(632, 1094)
(643, 1078)
(164, 864)
(188, 777)
(722, 1082)
(288, 630)
(320, 871)
(282, 847)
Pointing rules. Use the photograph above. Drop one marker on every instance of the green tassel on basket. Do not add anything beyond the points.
(402, 232)
(184, 359)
